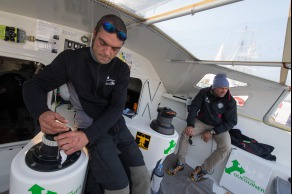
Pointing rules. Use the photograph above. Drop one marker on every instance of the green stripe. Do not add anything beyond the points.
(2, 32)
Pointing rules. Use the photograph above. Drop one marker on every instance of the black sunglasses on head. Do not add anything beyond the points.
(108, 27)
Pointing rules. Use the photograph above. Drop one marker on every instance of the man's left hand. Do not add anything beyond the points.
(206, 136)
(72, 141)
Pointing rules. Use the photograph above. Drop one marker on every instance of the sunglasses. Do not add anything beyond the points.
(190, 140)
(112, 29)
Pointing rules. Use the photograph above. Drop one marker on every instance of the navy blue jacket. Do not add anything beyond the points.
(102, 89)
(218, 112)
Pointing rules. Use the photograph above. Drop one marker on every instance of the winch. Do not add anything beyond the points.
(163, 123)
(46, 156)
(42, 166)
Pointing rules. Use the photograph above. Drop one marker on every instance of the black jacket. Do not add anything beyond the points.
(218, 112)
(102, 89)
(251, 145)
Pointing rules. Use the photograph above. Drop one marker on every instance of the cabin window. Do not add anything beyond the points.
(16, 123)
(207, 81)
(281, 116)
(241, 100)
(133, 96)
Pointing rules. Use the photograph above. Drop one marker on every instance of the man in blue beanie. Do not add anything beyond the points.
(213, 113)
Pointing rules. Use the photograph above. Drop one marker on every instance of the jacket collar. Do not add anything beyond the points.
(93, 55)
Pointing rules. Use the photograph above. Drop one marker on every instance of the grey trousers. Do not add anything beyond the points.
(223, 149)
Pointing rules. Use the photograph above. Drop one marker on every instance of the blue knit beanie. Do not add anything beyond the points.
(220, 81)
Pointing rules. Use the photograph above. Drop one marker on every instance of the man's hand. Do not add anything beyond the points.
(206, 136)
(49, 125)
(72, 141)
(189, 131)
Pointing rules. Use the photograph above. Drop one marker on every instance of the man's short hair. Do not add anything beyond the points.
(114, 20)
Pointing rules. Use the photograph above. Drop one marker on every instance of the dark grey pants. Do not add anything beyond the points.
(105, 170)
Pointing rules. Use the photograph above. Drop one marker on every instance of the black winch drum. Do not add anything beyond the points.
(163, 123)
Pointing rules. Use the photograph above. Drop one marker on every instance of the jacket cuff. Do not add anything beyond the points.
(216, 131)
(89, 136)
(38, 113)
(191, 125)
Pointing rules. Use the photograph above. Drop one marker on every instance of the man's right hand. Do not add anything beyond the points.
(189, 131)
(49, 125)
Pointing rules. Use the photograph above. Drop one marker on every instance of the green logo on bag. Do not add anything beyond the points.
(238, 172)
(235, 168)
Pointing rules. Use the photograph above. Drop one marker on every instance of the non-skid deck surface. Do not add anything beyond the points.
(181, 183)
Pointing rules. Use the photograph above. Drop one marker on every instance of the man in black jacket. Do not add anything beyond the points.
(97, 82)
(212, 114)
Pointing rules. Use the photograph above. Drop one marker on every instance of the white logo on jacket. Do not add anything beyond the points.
(220, 105)
(208, 100)
(110, 82)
